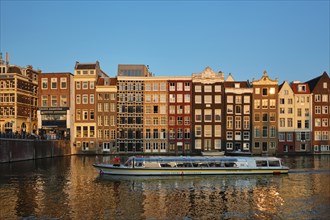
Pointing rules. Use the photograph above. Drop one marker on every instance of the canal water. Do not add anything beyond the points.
(70, 188)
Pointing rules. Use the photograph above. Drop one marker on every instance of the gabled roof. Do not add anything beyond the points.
(313, 82)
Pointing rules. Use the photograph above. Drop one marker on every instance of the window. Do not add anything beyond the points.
(172, 98)
(256, 104)
(198, 115)
(246, 135)
(317, 109)
(246, 122)
(282, 122)
(217, 130)
(229, 135)
(44, 82)
(187, 98)
(78, 98)
(237, 122)
(187, 109)
(238, 109)
(264, 91)
(53, 83)
(179, 86)
(272, 91)
(230, 99)
(246, 109)
(217, 88)
(54, 100)
(290, 122)
(198, 131)
(84, 85)
(63, 82)
(264, 131)
(179, 109)
(207, 88)
(187, 86)
(208, 115)
(85, 99)
(217, 99)
(272, 116)
(179, 98)
(172, 86)
(44, 101)
(186, 120)
(91, 99)
(238, 99)
(325, 98)
(257, 91)
(148, 87)
(281, 136)
(272, 132)
(265, 103)
(207, 99)
(229, 145)
(272, 103)
(264, 117)
(78, 114)
(217, 115)
(85, 115)
(256, 117)
(325, 85)
(325, 110)
(317, 122)
(91, 85)
(256, 132)
(229, 122)
(325, 122)
(63, 100)
(317, 98)
(282, 101)
(230, 109)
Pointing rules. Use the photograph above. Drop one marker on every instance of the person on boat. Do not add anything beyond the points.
(116, 161)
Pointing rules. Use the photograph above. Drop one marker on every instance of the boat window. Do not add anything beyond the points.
(203, 165)
(165, 165)
(261, 163)
(230, 164)
(274, 163)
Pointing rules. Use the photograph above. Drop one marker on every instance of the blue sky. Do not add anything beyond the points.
(288, 39)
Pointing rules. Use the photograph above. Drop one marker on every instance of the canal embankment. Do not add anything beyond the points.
(24, 149)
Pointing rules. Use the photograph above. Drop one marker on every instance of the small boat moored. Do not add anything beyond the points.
(199, 165)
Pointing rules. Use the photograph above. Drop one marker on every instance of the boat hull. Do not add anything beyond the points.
(122, 170)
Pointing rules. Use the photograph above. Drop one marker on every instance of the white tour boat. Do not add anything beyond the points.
(199, 165)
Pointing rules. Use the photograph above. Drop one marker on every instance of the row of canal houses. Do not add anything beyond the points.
(137, 112)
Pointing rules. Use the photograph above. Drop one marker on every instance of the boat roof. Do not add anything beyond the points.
(196, 158)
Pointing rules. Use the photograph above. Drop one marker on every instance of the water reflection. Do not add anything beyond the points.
(70, 188)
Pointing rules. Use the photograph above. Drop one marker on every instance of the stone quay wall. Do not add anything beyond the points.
(22, 149)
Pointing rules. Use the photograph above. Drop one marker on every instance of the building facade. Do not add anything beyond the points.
(180, 115)
(302, 117)
(237, 124)
(208, 105)
(18, 99)
(265, 96)
(86, 76)
(320, 88)
(155, 127)
(55, 106)
(106, 114)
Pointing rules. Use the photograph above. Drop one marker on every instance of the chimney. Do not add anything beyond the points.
(7, 58)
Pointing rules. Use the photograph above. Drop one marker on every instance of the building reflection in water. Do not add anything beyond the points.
(70, 188)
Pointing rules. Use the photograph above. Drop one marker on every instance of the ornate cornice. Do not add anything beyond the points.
(208, 76)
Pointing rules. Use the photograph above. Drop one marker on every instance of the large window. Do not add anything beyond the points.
(63, 82)
(44, 82)
(53, 83)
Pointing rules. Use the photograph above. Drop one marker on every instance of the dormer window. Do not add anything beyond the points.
(237, 85)
(302, 88)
